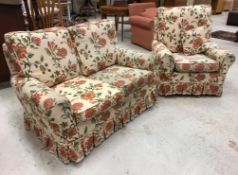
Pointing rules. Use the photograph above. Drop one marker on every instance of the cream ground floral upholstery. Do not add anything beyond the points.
(69, 112)
(193, 40)
(89, 97)
(187, 75)
(194, 63)
(172, 23)
(95, 43)
(47, 56)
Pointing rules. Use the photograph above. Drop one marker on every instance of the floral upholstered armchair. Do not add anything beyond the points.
(189, 63)
(76, 87)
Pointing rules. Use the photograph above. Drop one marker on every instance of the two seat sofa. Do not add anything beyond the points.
(76, 86)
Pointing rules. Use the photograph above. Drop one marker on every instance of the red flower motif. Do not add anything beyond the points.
(60, 78)
(140, 81)
(48, 103)
(142, 93)
(89, 143)
(197, 89)
(70, 132)
(162, 25)
(105, 115)
(72, 154)
(213, 67)
(118, 98)
(70, 43)
(35, 98)
(141, 62)
(63, 152)
(61, 52)
(130, 88)
(101, 65)
(179, 88)
(202, 22)
(197, 42)
(36, 40)
(76, 106)
(21, 51)
(36, 130)
(102, 42)
(125, 117)
(48, 142)
(16, 66)
(174, 18)
(199, 67)
(89, 95)
(55, 128)
(90, 112)
(165, 88)
(111, 34)
(119, 83)
(214, 89)
(110, 55)
(95, 36)
(106, 104)
(83, 31)
(109, 126)
(79, 82)
(185, 67)
(200, 77)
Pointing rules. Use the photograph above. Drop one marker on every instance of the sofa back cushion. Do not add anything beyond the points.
(47, 56)
(171, 22)
(95, 44)
(149, 13)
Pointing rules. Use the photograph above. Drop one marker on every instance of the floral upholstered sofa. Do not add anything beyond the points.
(189, 63)
(76, 86)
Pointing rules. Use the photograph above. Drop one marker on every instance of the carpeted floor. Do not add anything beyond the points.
(179, 136)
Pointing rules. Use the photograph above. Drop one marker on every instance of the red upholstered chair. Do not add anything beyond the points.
(141, 18)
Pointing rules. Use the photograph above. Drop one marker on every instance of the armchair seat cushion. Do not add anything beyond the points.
(89, 97)
(194, 63)
(128, 79)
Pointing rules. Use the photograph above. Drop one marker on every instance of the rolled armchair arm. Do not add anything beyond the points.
(134, 59)
(46, 106)
(224, 57)
(164, 57)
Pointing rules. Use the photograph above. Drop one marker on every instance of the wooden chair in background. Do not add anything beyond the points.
(43, 13)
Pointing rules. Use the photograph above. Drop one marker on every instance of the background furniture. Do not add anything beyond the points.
(172, 3)
(12, 20)
(217, 6)
(141, 18)
(118, 12)
(180, 74)
(43, 13)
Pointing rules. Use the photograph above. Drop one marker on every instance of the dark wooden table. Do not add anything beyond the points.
(118, 12)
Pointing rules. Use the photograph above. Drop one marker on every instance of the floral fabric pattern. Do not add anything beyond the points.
(128, 79)
(170, 22)
(193, 40)
(194, 63)
(95, 44)
(47, 56)
(89, 97)
(179, 74)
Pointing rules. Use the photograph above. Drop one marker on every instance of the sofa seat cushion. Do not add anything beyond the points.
(95, 44)
(47, 56)
(141, 21)
(89, 97)
(129, 79)
(149, 13)
(194, 63)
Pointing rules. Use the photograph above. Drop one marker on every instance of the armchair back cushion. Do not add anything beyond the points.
(95, 44)
(47, 56)
(171, 23)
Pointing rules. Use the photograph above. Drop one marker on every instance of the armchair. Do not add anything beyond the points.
(141, 18)
(183, 74)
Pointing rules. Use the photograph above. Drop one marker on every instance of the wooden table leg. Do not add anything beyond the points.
(116, 22)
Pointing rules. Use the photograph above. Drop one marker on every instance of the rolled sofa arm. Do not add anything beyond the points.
(224, 57)
(164, 57)
(134, 59)
(45, 106)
